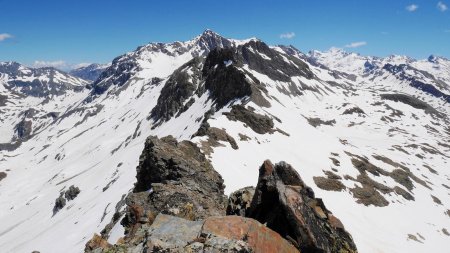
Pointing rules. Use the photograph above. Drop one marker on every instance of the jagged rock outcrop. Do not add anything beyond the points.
(273, 65)
(23, 129)
(179, 87)
(285, 204)
(72, 192)
(174, 178)
(60, 203)
(118, 73)
(222, 79)
(65, 196)
(178, 205)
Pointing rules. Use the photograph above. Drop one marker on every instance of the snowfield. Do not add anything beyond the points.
(94, 141)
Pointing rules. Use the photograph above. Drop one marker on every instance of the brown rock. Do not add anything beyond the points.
(259, 237)
(329, 184)
(285, 204)
(97, 242)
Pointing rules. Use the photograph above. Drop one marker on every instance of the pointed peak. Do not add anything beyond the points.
(207, 30)
(9, 63)
(209, 33)
(435, 58)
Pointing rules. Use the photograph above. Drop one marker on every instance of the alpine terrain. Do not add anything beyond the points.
(82, 152)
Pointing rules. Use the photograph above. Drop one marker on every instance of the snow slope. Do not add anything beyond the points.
(95, 140)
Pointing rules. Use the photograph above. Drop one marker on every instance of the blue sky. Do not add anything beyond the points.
(68, 32)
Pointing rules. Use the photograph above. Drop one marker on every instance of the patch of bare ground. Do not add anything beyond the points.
(436, 200)
(414, 238)
(214, 136)
(243, 137)
(371, 191)
(445, 232)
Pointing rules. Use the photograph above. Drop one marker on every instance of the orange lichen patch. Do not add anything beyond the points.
(259, 237)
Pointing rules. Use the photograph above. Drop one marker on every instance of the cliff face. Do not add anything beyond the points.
(178, 205)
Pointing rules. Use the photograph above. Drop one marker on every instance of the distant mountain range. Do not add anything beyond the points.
(90, 72)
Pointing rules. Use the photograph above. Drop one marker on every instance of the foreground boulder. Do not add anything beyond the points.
(285, 204)
(214, 234)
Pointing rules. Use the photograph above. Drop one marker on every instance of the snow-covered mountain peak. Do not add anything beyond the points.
(369, 135)
(341, 60)
(38, 82)
(437, 59)
(159, 60)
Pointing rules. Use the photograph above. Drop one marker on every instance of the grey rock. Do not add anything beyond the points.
(172, 232)
(72, 192)
(239, 201)
(173, 178)
(261, 124)
(60, 202)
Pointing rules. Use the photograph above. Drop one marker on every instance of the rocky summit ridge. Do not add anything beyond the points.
(178, 205)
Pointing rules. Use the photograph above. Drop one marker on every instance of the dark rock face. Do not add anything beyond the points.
(261, 124)
(177, 90)
(165, 160)
(353, 110)
(3, 100)
(174, 178)
(2, 175)
(287, 205)
(23, 129)
(118, 74)
(60, 202)
(276, 68)
(224, 82)
(240, 200)
(315, 122)
(65, 196)
(72, 192)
